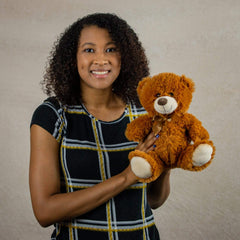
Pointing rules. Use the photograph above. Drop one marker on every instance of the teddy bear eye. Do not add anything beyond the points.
(157, 95)
(171, 94)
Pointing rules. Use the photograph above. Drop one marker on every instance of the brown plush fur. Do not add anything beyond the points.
(178, 129)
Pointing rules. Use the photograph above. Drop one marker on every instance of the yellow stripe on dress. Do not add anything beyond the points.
(113, 230)
(143, 212)
(96, 149)
(130, 113)
(103, 176)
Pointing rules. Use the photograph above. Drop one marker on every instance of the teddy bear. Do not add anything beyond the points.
(182, 140)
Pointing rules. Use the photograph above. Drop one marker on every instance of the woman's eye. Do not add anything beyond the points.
(88, 50)
(111, 50)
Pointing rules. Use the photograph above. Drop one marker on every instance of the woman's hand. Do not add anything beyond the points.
(147, 144)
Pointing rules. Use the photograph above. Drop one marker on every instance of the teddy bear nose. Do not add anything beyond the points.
(162, 101)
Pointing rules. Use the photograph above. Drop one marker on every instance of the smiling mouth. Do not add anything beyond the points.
(100, 72)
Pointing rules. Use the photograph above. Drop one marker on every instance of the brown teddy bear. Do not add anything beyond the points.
(182, 143)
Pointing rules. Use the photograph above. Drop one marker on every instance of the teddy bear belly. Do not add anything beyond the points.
(169, 149)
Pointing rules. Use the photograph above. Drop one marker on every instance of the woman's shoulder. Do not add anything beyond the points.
(48, 111)
(52, 101)
(50, 116)
(50, 104)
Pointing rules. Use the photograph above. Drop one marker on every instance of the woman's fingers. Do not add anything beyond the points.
(148, 144)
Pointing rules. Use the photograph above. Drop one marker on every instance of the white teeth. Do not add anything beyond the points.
(100, 73)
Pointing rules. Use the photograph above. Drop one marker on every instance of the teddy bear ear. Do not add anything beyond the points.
(141, 84)
(187, 82)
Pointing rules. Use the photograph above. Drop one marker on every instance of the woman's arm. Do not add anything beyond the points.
(49, 204)
(159, 190)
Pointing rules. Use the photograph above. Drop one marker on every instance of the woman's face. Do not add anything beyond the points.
(98, 59)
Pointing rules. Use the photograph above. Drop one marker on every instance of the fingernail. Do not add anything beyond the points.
(157, 136)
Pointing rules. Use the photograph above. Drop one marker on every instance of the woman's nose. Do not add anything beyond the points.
(100, 59)
(100, 62)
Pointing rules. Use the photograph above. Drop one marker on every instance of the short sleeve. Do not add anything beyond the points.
(49, 116)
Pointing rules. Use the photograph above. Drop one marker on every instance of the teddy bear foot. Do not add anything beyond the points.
(202, 154)
(145, 166)
(140, 167)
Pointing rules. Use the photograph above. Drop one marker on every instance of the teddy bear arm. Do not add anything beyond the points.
(195, 129)
(138, 128)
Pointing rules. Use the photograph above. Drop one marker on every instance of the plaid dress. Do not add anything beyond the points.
(90, 152)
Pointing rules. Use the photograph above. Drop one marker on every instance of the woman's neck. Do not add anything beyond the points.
(98, 98)
(104, 105)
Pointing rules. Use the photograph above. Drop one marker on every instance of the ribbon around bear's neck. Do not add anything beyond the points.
(158, 122)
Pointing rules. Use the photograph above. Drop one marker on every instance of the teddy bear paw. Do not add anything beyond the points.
(140, 167)
(202, 154)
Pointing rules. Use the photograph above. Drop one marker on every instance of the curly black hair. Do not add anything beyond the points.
(62, 79)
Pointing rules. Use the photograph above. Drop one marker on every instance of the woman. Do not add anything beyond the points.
(80, 178)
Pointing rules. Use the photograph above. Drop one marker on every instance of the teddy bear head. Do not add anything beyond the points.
(165, 94)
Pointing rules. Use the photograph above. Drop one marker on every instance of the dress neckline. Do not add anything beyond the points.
(106, 122)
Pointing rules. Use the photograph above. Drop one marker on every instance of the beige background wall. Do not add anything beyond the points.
(198, 38)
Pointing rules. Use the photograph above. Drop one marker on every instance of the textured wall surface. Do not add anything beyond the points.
(198, 38)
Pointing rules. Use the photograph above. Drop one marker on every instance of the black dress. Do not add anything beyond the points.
(90, 152)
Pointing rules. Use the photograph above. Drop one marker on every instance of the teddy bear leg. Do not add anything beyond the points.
(145, 166)
(202, 154)
(197, 157)
(141, 167)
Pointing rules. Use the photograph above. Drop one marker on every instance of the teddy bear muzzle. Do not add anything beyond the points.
(165, 105)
